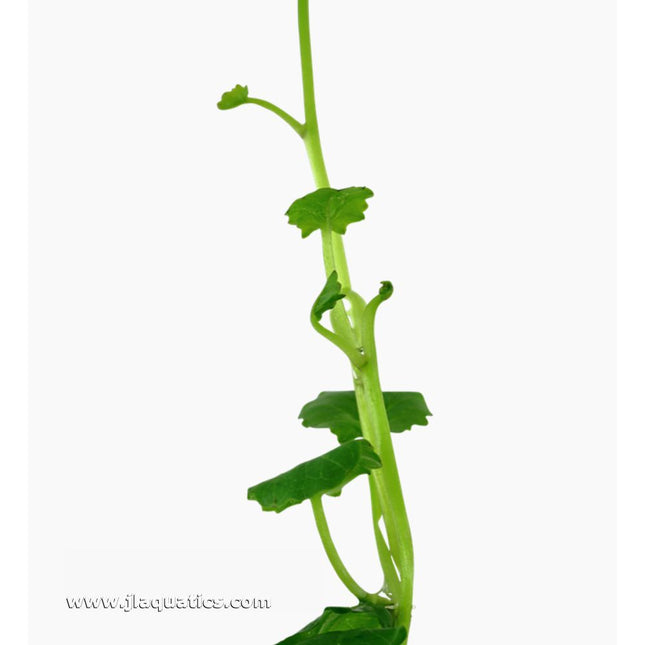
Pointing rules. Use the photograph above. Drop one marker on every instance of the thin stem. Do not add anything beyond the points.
(333, 250)
(312, 135)
(334, 557)
(338, 247)
(339, 316)
(285, 116)
(353, 353)
(368, 319)
(392, 582)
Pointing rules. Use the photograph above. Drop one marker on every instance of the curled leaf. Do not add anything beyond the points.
(328, 297)
(386, 290)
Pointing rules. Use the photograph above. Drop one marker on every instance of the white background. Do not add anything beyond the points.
(170, 349)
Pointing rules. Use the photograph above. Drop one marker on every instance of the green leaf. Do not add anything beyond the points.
(386, 290)
(338, 412)
(334, 410)
(326, 474)
(329, 207)
(406, 409)
(388, 636)
(233, 98)
(337, 619)
(363, 624)
(328, 297)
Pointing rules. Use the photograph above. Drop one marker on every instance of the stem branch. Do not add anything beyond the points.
(285, 116)
(334, 558)
(353, 353)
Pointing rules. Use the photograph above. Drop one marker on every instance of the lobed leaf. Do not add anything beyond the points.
(406, 409)
(326, 474)
(337, 619)
(338, 411)
(233, 98)
(328, 297)
(334, 410)
(329, 207)
(387, 636)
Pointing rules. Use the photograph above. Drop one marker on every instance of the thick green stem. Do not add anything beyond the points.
(369, 396)
(376, 429)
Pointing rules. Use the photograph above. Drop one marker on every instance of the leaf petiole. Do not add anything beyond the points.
(334, 557)
(392, 582)
(285, 116)
(369, 313)
(354, 354)
(328, 300)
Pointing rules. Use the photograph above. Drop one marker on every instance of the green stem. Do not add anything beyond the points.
(339, 317)
(392, 582)
(374, 423)
(334, 558)
(285, 116)
(312, 134)
(333, 249)
(376, 429)
(369, 396)
(338, 247)
(353, 353)
(357, 307)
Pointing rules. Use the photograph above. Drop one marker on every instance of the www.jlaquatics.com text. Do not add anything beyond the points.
(131, 602)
